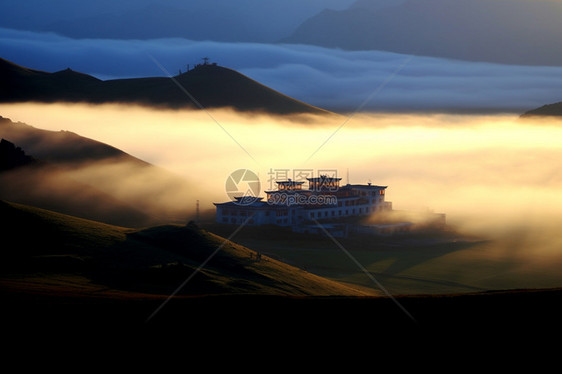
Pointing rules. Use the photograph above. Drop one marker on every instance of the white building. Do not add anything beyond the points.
(291, 205)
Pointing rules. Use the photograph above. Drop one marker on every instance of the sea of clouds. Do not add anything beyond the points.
(334, 79)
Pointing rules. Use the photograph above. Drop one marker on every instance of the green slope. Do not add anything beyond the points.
(66, 274)
(104, 259)
(209, 86)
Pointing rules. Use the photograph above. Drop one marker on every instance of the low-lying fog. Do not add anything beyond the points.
(497, 176)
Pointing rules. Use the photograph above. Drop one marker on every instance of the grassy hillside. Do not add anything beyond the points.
(63, 273)
(106, 259)
(211, 86)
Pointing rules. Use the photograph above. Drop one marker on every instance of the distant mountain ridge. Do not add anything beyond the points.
(212, 86)
(548, 110)
(219, 20)
(502, 31)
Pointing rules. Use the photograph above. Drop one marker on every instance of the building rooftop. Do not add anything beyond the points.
(323, 178)
(364, 186)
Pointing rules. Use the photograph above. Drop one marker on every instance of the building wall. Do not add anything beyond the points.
(351, 202)
(261, 216)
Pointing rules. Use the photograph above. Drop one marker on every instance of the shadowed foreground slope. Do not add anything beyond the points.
(52, 257)
(59, 272)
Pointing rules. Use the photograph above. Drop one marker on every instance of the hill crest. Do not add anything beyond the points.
(548, 110)
(78, 176)
(500, 31)
(211, 85)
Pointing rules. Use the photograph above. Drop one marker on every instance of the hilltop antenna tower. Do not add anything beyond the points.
(347, 175)
(205, 60)
(197, 211)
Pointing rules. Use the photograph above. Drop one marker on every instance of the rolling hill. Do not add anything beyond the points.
(81, 262)
(211, 86)
(89, 179)
(501, 31)
(28, 180)
(77, 275)
(549, 110)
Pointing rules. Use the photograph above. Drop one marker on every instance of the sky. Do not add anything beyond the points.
(221, 20)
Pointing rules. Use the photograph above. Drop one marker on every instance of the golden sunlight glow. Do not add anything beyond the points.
(479, 170)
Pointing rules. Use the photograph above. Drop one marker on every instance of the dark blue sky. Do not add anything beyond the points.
(222, 20)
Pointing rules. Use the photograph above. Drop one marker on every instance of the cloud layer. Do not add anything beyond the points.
(330, 78)
(496, 176)
(491, 171)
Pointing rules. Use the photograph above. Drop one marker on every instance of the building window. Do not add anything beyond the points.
(225, 220)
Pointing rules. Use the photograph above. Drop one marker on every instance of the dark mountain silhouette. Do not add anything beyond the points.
(13, 157)
(27, 180)
(500, 31)
(211, 86)
(61, 147)
(549, 110)
(79, 176)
